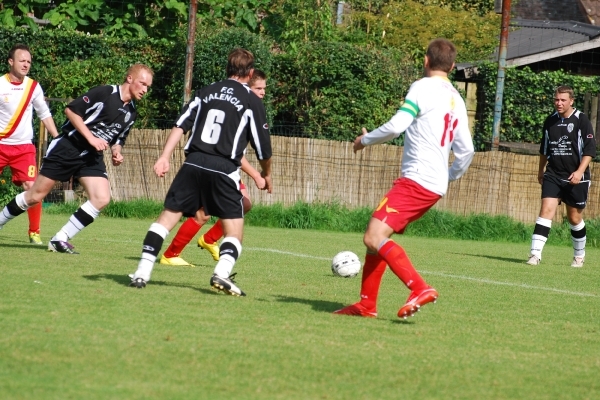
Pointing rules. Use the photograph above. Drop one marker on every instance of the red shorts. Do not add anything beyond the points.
(242, 186)
(406, 202)
(21, 160)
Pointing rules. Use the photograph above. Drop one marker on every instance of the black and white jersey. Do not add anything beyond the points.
(104, 113)
(223, 118)
(565, 142)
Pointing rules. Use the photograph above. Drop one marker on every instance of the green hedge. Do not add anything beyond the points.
(527, 101)
(334, 89)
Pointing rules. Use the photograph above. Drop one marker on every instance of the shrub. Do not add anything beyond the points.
(7, 189)
(526, 102)
(334, 89)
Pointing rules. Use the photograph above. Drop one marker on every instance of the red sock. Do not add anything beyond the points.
(35, 216)
(399, 263)
(214, 233)
(371, 280)
(184, 235)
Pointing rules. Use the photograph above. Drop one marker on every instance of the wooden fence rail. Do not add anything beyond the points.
(312, 170)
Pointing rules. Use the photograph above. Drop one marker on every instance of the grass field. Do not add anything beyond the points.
(72, 329)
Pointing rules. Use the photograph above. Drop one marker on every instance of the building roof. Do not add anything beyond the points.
(532, 41)
(551, 10)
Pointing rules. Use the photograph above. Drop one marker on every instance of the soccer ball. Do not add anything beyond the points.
(345, 264)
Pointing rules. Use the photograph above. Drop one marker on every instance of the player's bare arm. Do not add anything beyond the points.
(117, 156)
(543, 161)
(576, 176)
(77, 121)
(253, 173)
(162, 165)
(358, 141)
(266, 173)
(50, 126)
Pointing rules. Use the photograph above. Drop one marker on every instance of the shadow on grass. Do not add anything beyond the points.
(158, 264)
(124, 280)
(507, 259)
(25, 246)
(317, 305)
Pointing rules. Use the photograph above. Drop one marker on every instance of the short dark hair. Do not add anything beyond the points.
(441, 54)
(239, 63)
(565, 89)
(257, 75)
(13, 50)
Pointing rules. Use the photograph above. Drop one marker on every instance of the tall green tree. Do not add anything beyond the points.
(133, 19)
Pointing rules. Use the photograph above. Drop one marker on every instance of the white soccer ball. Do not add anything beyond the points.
(345, 264)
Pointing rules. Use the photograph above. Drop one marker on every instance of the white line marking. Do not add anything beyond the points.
(522, 285)
(287, 252)
(467, 278)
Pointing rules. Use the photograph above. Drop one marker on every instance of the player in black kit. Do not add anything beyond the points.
(98, 120)
(223, 118)
(566, 150)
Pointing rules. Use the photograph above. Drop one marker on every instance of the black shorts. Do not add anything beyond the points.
(572, 195)
(66, 158)
(206, 181)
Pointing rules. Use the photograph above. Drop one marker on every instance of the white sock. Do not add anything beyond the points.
(148, 258)
(578, 243)
(227, 259)
(538, 241)
(84, 216)
(6, 215)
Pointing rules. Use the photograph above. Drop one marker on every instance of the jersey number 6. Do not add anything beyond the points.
(212, 126)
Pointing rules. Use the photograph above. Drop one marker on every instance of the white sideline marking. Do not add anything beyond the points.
(287, 252)
(468, 278)
(522, 285)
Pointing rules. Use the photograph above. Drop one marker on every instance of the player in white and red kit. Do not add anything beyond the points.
(434, 119)
(19, 96)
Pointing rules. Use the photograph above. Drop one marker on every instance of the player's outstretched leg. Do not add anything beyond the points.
(400, 264)
(84, 216)
(35, 216)
(208, 241)
(184, 235)
(222, 279)
(14, 208)
(373, 271)
(152, 244)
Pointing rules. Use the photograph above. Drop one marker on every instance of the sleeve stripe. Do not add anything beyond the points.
(410, 108)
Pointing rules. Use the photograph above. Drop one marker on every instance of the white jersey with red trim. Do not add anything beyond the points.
(17, 101)
(434, 117)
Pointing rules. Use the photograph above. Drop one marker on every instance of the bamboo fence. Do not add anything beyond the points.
(312, 170)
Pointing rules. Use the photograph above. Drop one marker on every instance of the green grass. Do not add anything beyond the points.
(72, 329)
(334, 217)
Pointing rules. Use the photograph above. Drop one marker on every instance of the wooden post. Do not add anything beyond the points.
(42, 140)
(593, 115)
(471, 104)
(586, 103)
(597, 120)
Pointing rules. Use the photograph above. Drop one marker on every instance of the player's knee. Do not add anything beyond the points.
(371, 242)
(32, 198)
(100, 201)
(27, 185)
